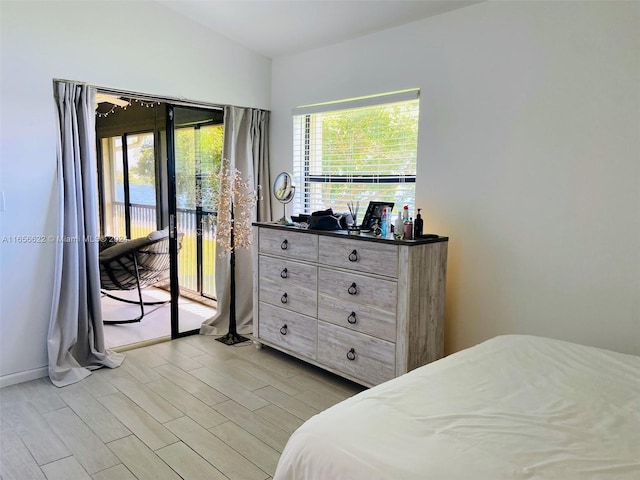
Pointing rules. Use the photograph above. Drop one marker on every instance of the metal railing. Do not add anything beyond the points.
(143, 221)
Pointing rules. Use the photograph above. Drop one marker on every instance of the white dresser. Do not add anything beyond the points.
(364, 308)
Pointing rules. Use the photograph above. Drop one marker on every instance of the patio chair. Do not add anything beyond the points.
(135, 264)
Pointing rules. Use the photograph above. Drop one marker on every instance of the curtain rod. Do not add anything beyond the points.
(155, 98)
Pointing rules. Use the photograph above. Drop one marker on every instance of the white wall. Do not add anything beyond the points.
(528, 158)
(138, 46)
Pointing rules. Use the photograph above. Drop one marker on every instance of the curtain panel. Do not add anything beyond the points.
(76, 339)
(246, 146)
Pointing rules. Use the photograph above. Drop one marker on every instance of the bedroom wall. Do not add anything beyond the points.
(528, 158)
(138, 46)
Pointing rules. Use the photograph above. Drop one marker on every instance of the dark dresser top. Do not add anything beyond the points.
(367, 237)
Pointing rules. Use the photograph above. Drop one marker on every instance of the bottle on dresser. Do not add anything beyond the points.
(408, 229)
(384, 223)
(398, 230)
(418, 225)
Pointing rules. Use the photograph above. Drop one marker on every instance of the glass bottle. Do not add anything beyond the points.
(399, 228)
(408, 229)
(405, 213)
(417, 225)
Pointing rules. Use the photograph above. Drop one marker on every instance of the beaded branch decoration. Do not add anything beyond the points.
(235, 210)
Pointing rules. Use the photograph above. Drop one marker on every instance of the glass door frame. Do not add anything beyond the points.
(172, 209)
(174, 280)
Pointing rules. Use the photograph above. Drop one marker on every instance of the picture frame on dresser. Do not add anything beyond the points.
(374, 213)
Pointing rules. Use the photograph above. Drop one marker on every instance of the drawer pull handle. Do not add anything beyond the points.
(285, 244)
(284, 298)
(353, 289)
(283, 329)
(353, 256)
(352, 318)
(351, 355)
(284, 273)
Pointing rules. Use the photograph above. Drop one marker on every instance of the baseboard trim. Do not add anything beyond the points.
(19, 377)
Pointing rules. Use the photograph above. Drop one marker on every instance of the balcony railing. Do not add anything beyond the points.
(143, 221)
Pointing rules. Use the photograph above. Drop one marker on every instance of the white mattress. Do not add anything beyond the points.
(513, 407)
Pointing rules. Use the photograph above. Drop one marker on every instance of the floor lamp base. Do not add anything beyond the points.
(232, 339)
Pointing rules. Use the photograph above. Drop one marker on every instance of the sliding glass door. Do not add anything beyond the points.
(194, 147)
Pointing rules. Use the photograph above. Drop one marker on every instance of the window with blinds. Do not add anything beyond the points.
(356, 151)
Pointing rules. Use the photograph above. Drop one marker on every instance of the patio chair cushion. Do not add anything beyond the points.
(159, 234)
(118, 269)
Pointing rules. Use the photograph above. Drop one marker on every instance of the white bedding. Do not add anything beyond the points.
(513, 407)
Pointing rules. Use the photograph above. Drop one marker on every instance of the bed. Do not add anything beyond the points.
(513, 407)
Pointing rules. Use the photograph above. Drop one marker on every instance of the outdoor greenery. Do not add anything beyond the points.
(142, 168)
(193, 145)
(351, 150)
(198, 154)
(373, 139)
(203, 144)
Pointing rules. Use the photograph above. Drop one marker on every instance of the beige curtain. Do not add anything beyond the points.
(76, 340)
(246, 137)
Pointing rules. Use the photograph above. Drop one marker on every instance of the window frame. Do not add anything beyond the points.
(302, 162)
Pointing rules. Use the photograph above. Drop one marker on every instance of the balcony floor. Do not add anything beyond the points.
(157, 320)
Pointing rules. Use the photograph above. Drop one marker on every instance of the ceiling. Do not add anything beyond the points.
(276, 28)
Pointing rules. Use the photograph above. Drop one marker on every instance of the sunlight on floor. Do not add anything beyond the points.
(156, 322)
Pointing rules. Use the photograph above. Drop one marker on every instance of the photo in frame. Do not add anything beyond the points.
(374, 213)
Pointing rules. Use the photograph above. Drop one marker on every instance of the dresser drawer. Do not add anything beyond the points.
(361, 356)
(289, 244)
(287, 272)
(360, 289)
(291, 331)
(369, 257)
(289, 297)
(362, 318)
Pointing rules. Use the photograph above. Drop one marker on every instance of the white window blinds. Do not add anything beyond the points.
(356, 151)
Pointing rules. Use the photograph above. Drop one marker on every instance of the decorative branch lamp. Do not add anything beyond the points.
(235, 208)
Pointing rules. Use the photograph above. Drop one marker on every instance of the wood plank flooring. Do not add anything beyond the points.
(191, 408)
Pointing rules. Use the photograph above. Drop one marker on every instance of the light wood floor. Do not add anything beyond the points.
(192, 408)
